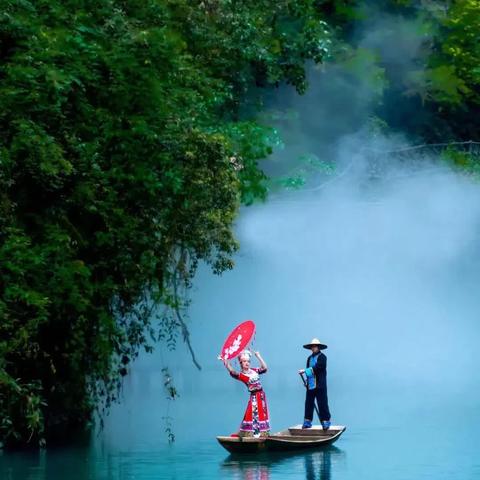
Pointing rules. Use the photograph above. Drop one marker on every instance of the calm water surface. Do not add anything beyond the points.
(388, 437)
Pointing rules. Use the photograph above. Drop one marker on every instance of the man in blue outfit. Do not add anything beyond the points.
(316, 373)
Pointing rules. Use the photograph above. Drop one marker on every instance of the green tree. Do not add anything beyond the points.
(128, 140)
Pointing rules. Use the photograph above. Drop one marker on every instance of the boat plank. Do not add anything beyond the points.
(299, 439)
(316, 431)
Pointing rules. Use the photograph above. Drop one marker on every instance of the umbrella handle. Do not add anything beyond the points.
(251, 344)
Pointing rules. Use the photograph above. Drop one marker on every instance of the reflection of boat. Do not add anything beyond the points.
(307, 464)
(294, 438)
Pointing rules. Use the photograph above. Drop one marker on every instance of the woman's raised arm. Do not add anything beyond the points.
(227, 365)
(261, 360)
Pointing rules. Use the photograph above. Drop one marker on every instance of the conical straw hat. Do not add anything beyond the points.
(315, 341)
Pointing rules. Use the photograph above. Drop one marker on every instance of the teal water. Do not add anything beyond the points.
(388, 437)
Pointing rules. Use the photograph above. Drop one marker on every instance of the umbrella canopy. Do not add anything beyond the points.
(238, 340)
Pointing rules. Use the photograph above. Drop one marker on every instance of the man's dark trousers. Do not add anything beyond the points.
(322, 402)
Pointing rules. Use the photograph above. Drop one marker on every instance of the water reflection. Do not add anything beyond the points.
(21, 465)
(50, 464)
(319, 467)
(314, 465)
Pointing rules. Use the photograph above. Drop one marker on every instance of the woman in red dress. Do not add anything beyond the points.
(255, 422)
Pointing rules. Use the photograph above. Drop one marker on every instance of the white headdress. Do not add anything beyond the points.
(245, 354)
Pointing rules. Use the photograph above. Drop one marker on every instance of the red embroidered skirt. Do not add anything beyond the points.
(256, 421)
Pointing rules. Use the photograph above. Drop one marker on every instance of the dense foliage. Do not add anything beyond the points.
(127, 142)
(457, 53)
(439, 85)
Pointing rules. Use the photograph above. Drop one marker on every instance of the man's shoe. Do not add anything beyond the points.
(307, 424)
(325, 424)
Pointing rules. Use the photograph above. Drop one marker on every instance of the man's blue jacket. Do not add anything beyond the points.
(316, 371)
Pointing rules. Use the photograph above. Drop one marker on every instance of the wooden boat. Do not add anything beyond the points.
(293, 438)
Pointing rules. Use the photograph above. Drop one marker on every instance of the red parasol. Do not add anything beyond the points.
(238, 340)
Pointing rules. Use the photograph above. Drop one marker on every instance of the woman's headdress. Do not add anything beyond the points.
(245, 354)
